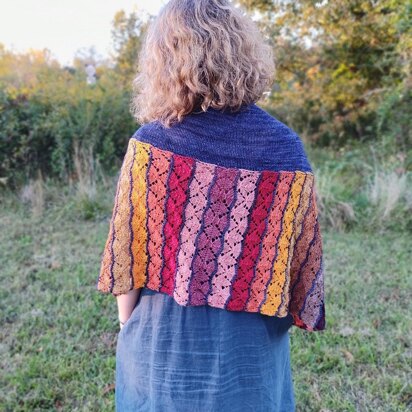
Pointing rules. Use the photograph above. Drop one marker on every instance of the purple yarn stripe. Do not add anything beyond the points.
(209, 241)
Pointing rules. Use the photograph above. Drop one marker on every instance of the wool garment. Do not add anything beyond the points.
(219, 210)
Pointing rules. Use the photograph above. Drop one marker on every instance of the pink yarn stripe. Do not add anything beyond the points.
(226, 265)
(199, 187)
(156, 196)
(209, 241)
(251, 244)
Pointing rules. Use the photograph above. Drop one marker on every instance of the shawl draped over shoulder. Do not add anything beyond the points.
(207, 234)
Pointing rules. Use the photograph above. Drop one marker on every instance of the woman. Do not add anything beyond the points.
(214, 249)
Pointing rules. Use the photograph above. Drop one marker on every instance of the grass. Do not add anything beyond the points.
(362, 361)
(58, 335)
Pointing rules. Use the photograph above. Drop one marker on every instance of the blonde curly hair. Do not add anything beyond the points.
(199, 54)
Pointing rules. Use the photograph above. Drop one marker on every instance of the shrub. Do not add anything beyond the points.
(41, 119)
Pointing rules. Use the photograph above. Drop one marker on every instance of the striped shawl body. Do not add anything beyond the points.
(232, 238)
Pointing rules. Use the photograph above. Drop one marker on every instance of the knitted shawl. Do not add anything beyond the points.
(219, 210)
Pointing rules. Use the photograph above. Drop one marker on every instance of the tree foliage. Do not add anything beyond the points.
(47, 110)
(127, 34)
(343, 66)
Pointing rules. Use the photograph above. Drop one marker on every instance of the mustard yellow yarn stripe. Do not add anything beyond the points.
(120, 258)
(138, 223)
(304, 201)
(275, 288)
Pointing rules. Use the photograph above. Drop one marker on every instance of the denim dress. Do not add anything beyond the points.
(173, 358)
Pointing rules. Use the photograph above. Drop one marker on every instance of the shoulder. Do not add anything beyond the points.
(147, 131)
(284, 143)
(252, 138)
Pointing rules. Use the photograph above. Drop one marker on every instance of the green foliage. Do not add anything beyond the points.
(343, 75)
(343, 67)
(127, 33)
(394, 119)
(42, 120)
(47, 110)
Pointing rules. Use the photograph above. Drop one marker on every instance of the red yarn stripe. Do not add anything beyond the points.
(178, 185)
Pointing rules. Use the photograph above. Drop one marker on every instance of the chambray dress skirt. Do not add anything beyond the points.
(172, 358)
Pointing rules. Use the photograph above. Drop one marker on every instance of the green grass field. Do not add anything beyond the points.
(58, 335)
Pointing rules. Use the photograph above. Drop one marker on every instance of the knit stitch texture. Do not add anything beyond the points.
(219, 210)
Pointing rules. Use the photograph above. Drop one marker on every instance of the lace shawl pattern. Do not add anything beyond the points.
(231, 238)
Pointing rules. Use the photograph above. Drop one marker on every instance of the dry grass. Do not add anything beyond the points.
(33, 194)
(388, 190)
(377, 197)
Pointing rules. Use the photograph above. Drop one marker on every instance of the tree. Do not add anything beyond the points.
(127, 34)
(336, 62)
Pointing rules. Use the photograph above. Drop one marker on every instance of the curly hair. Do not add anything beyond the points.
(198, 54)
